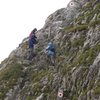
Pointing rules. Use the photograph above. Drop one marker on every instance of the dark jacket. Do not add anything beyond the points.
(32, 40)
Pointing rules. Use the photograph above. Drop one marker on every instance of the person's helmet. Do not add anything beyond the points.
(34, 30)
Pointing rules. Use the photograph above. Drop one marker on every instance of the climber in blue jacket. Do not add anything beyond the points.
(50, 50)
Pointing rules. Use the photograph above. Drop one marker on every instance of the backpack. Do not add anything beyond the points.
(51, 48)
(35, 41)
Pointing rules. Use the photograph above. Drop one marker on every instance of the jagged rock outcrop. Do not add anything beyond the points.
(75, 31)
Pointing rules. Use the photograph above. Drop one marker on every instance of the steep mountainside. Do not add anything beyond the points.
(75, 31)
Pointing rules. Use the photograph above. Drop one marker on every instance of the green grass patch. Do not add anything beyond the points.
(85, 58)
(94, 23)
(87, 7)
(89, 17)
(97, 8)
(79, 19)
(98, 16)
(97, 91)
(76, 28)
(78, 42)
(37, 76)
(9, 77)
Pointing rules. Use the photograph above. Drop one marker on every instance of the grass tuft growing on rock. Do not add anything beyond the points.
(76, 28)
(9, 77)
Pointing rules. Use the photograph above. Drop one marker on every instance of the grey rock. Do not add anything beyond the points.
(40, 97)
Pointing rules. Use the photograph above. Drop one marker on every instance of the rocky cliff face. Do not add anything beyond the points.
(75, 31)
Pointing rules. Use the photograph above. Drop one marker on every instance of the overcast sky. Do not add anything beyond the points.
(19, 17)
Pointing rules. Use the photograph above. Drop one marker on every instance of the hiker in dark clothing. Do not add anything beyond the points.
(32, 42)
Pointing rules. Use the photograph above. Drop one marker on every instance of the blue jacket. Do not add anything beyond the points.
(50, 49)
(32, 41)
